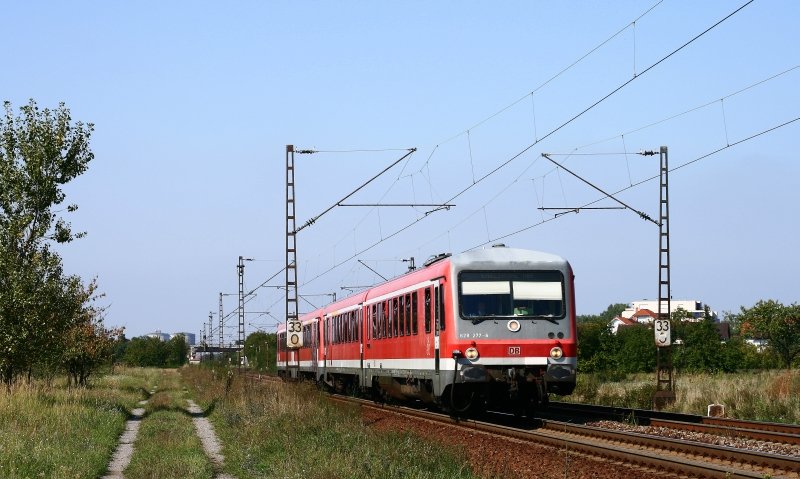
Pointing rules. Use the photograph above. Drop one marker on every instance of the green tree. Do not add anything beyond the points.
(259, 348)
(146, 352)
(611, 312)
(637, 350)
(177, 351)
(778, 324)
(40, 151)
(701, 349)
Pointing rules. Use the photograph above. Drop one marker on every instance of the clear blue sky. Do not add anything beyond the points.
(194, 102)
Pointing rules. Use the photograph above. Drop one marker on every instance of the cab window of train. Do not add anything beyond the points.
(528, 294)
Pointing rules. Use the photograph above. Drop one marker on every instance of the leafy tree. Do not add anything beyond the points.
(701, 350)
(591, 339)
(637, 352)
(259, 348)
(40, 151)
(611, 312)
(146, 352)
(152, 352)
(88, 345)
(777, 323)
(177, 351)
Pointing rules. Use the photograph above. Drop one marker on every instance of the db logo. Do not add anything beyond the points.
(514, 350)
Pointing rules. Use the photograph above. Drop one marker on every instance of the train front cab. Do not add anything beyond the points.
(511, 330)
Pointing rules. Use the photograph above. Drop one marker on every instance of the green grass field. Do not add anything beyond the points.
(59, 432)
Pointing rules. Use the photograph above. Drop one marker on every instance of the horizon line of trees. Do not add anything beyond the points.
(152, 352)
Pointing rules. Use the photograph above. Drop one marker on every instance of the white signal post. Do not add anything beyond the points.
(662, 332)
(294, 334)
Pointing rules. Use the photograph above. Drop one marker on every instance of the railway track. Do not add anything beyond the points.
(762, 431)
(651, 453)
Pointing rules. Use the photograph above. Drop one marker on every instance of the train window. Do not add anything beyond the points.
(381, 322)
(352, 326)
(394, 318)
(374, 320)
(427, 310)
(386, 329)
(401, 316)
(436, 309)
(414, 315)
(440, 306)
(358, 325)
(408, 314)
(534, 294)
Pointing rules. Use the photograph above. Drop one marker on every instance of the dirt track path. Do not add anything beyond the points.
(124, 452)
(205, 431)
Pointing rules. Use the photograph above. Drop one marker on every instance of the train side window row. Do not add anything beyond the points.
(398, 316)
(344, 328)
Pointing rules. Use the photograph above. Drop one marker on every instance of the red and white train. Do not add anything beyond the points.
(488, 327)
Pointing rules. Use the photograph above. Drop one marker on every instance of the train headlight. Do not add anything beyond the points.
(556, 353)
(472, 354)
(513, 325)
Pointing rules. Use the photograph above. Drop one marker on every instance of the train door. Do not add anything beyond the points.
(326, 342)
(432, 298)
(361, 335)
(315, 347)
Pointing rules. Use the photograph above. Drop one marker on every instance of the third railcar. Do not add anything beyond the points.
(494, 326)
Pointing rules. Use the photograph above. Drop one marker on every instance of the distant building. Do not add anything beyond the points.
(695, 308)
(618, 322)
(157, 334)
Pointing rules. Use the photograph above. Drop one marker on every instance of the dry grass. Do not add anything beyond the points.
(53, 431)
(272, 429)
(772, 395)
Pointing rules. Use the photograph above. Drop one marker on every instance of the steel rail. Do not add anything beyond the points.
(744, 458)
(654, 453)
(765, 431)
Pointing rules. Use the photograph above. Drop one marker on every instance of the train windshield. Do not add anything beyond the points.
(527, 294)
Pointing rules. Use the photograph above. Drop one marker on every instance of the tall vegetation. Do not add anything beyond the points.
(259, 349)
(700, 349)
(48, 319)
(778, 324)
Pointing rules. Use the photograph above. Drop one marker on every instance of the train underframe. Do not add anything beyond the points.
(520, 390)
